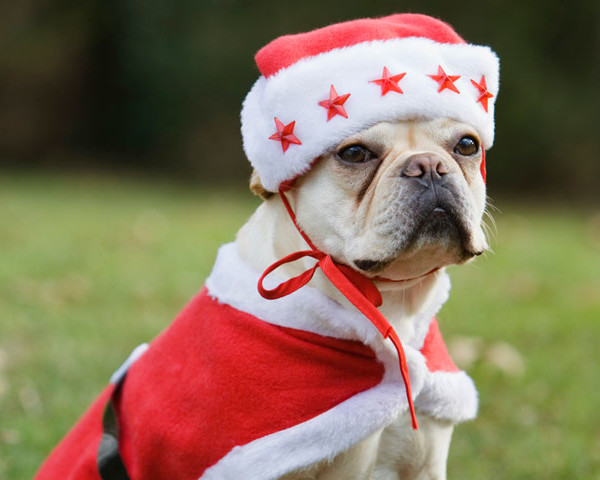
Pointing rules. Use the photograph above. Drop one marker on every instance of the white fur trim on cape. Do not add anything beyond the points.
(293, 95)
(233, 281)
(448, 396)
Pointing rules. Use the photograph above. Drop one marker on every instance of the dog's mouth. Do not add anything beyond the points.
(440, 225)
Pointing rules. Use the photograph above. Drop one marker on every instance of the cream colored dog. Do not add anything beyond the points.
(403, 199)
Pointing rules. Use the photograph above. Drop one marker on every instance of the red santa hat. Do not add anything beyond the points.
(319, 87)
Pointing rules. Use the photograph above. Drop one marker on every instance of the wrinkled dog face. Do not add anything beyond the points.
(398, 199)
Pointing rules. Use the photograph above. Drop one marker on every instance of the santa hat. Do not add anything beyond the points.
(319, 87)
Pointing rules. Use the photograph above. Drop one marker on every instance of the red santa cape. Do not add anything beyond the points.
(242, 387)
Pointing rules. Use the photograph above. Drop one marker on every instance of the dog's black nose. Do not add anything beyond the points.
(425, 166)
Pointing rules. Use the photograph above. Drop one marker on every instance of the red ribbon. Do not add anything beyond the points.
(482, 167)
(356, 287)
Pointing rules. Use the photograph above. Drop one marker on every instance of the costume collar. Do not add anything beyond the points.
(233, 281)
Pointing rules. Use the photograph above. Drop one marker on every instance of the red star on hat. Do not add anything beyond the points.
(445, 81)
(484, 94)
(285, 134)
(335, 104)
(389, 83)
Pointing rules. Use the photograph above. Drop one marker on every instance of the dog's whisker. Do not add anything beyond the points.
(488, 222)
(491, 206)
(490, 231)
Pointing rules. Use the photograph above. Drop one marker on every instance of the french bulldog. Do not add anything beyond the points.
(402, 199)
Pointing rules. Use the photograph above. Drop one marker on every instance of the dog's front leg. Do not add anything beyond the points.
(356, 463)
(405, 454)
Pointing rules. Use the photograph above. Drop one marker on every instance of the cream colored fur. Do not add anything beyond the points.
(327, 209)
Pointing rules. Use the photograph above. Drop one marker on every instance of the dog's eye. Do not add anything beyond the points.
(355, 154)
(467, 146)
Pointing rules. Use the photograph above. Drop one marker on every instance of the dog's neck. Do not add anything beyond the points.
(269, 235)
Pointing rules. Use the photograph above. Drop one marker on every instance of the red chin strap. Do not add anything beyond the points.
(482, 166)
(356, 287)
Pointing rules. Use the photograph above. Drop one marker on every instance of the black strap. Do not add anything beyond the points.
(110, 463)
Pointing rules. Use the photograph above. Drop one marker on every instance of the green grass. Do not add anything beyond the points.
(91, 267)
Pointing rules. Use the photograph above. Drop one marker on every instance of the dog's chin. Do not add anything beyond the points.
(441, 239)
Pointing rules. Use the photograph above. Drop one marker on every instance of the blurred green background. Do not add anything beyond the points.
(121, 172)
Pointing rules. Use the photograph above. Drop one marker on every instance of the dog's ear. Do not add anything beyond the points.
(256, 187)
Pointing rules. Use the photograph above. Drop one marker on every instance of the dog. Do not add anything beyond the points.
(403, 199)
(329, 365)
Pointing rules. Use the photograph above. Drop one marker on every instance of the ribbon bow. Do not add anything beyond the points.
(356, 287)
